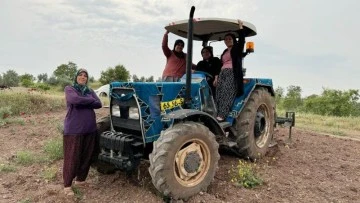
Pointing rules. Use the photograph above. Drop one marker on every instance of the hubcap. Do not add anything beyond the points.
(261, 127)
(192, 163)
(259, 124)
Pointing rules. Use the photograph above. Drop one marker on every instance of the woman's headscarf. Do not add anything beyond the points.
(83, 89)
(179, 54)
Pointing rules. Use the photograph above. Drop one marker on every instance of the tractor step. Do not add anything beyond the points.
(224, 124)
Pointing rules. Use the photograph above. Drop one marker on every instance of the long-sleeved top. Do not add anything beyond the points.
(236, 54)
(175, 66)
(80, 118)
(211, 66)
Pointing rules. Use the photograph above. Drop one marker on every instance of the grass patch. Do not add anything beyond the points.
(341, 126)
(78, 194)
(5, 117)
(244, 175)
(16, 120)
(27, 200)
(54, 149)
(25, 158)
(60, 127)
(49, 173)
(7, 168)
(20, 102)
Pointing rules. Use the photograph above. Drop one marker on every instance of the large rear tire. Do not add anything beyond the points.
(255, 125)
(184, 160)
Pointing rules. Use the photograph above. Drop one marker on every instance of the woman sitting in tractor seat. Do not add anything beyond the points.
(211, 65)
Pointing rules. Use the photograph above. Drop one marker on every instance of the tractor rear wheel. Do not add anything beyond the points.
(255, 125)
(184, 160)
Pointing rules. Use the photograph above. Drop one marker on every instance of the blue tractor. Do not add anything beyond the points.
(173, 125)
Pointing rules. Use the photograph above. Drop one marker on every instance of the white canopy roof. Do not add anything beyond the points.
(210, 29)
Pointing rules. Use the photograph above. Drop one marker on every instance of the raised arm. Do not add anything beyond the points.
(164, 46)
(241, 41)
(73, 97)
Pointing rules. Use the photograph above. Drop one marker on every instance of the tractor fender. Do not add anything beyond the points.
(269, 88)
(196, 116)
(250, 87)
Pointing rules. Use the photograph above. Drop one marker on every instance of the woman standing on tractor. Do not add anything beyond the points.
(175, 66)
(230, 81)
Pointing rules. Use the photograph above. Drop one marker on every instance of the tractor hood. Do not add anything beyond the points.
(210, 29)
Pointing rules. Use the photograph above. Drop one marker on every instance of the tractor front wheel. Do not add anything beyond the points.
(184, 160)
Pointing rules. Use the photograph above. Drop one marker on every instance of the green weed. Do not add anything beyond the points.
(27, 200)
(7, 168)
(25, 158)
(60, 127)
(49, 173)
(244, 175)
(340, 126)
(20, 102)
(78, 194)
(54, 149)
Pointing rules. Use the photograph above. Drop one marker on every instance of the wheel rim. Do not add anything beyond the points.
(192, 162)
(262, 125)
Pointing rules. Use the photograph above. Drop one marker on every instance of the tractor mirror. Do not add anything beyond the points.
(249, 47)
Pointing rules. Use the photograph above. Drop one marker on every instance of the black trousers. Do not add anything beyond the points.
(78, 150)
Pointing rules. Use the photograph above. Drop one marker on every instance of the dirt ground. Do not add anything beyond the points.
(314, 168)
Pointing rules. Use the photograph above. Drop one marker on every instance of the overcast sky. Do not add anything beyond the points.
(312, 44)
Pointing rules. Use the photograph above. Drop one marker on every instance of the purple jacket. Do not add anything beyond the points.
(80, 118)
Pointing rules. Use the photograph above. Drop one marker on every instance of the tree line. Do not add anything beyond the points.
(64, 75)
(330, 102)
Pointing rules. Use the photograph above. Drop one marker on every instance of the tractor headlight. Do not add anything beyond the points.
(134, 113)
(115, 111)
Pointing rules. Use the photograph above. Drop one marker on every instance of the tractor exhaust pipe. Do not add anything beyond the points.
(189, 59)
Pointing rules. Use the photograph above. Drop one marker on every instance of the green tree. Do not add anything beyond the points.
(292, 100)
(11, 78)
(92, 79)
(42, 77)
(135, 78)
(26, 82)
(150, 79)
(63, 82)
(119, 73)
(357, 109)
(66, 71)
(1, 79)
(279, 97)
(52, 80)
(28, 77)
(333, 102)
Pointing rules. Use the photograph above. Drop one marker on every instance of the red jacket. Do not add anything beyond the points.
(175, 66)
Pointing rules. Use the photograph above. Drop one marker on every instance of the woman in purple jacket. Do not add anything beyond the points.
(79, 131)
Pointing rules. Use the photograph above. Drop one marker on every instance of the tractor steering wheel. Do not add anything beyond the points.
(208, 76)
